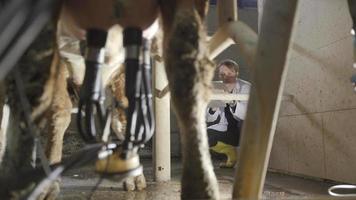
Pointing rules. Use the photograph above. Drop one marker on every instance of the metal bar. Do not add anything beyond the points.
(219, 42)
(227, 11)
(265, 98)
(234, 32)
(246, 40)
(162, 137)
(260, 5)
(229, 97)
(231, 28)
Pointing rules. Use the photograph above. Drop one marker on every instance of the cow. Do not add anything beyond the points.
(188, 68)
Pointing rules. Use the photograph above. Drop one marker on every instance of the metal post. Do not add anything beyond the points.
(260, 5)
(231, 30)
(265, 98)
(219, 42)
(227, 11)
(246, 40)
(162, 137)
(234, 32)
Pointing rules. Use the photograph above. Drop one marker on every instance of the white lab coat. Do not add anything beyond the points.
(242, 87)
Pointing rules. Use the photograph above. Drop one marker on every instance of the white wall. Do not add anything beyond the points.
(316, 131)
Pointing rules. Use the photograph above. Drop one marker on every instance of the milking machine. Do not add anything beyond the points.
(92, 115)
(92, 96)
(114, 161)
(140, 124)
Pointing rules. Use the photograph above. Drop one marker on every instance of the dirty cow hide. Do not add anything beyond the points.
(42, 75)
(189, 73)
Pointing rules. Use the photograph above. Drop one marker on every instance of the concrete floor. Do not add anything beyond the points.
(79, 183)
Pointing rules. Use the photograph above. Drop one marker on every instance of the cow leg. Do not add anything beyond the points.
(117, 88)
(189, 72)
(32, 82)
(135, 183)
(58, 116)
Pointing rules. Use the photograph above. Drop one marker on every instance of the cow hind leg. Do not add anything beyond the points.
(189, 73)
(58, 118)
(135, 183)
(29, 89)
(119, 122)
(117, 89)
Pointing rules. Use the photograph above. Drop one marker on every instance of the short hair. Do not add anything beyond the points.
(230, 64)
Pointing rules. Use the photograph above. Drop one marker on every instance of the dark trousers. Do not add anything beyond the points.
(231, 136)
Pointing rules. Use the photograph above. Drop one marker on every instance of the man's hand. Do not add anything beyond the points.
(232, 103)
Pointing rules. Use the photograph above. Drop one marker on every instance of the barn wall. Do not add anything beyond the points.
(316, 131)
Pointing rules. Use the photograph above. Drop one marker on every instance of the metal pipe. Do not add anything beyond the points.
(229, 97)
(260, 5)
(231, 30)
(237, 32)
(162, 137)
(245, 38)
(227, 11)
(219, 42)
(265, 98)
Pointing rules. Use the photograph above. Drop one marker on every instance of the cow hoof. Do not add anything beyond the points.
(129, 184)
(140, 182)
(135, 183)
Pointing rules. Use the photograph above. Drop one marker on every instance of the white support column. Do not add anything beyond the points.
(246, 40)
(227, 11)
(219, 42)
(265, 98)
(232, 31)
(162, 137)
(260, 5)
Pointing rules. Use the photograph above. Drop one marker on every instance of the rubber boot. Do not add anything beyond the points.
(229, 151)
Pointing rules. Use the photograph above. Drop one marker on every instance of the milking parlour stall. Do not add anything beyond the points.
(177, 99)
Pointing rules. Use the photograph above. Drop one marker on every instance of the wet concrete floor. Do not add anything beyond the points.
(80, 183)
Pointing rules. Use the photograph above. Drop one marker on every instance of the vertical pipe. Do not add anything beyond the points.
(246, 40)
(219, 42)
(265, 98)
(260, 5)
(227, 11)
(162, 137)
